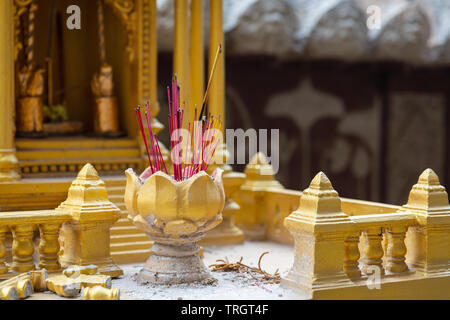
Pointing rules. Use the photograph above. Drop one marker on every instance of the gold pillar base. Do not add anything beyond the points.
(30, 119)
(174, 264)
(8, 166)
(106, 118)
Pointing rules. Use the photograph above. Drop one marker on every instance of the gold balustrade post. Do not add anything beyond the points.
(8, 162)
(251, 218)
(373, 250)
(153, 37)
(3, 267)
(428, 241)
(319, 228)
(49, 246)
(352, 255)
(86, 238)
(23, 248)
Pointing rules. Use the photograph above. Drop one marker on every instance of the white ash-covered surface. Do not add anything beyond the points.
(229, 286)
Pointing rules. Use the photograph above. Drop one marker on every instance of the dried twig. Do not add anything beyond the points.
(256, 273)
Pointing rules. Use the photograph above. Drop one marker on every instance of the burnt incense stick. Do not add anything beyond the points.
(213, 69)
(141, 128)
(188, 156)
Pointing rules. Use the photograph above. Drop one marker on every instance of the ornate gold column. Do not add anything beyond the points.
(196, 57)
(8, 160)
(216, 101)
(153, 55)
(216, 38)
(319, 228)
(181, 51)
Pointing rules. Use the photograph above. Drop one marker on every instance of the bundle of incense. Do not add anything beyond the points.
(192, 156)
(188, 157)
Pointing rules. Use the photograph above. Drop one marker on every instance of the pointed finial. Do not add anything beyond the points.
(320, 197)
(427, 193)
(259, 158)
(88, 172)
(259, 174)
(319, 205)
(321, 182)
(86, 194)
(429, 177)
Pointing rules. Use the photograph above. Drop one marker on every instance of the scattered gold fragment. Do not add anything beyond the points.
(71, 286)
(39, 280)
(77, 270)
(100, 293)
(9, 293)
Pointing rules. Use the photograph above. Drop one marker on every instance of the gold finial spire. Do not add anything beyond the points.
(259, 159)
(259, 173)
(429, 177)
(321, 182)
(428, 193)
(87, 191)
(319, 204)
(320, 198)
(88, 172)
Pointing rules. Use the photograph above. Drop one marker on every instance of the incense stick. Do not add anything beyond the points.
(213, 69)
(185, 162)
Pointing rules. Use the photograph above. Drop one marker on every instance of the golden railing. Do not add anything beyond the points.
(340, 243)
(22, 226)
(84, 219)
(383, 235)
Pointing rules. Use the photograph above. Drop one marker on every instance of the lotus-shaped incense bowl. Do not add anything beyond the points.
(175, 215)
